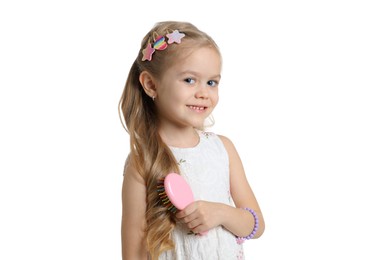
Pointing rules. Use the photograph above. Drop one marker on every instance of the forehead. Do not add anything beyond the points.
(205, 60)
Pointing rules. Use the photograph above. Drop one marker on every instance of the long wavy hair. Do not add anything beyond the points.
(149, 155)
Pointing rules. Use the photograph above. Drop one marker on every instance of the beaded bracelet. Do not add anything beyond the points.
(241, 240)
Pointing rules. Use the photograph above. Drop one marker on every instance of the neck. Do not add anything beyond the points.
(181, 138)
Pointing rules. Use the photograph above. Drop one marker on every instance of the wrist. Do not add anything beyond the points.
(241, 240)
(224, 211)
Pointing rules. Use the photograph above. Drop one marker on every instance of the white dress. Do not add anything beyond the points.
(206, 169)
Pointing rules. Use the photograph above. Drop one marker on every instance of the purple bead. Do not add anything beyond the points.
(240, 240)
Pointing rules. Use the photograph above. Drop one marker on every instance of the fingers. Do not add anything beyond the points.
(188, 216)
(200, 230)
(194, 216)
(193, 222)
(187, 211)
(196, 226)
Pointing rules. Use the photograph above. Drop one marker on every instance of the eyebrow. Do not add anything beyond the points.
(196, 73)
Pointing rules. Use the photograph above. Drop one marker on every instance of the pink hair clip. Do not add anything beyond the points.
(160, 44)
(147, 52)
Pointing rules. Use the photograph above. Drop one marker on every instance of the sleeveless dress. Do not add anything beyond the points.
(206, 169)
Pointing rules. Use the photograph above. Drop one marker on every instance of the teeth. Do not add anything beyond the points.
(196, 108)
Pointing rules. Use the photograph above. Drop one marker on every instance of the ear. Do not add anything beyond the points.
(148, 84)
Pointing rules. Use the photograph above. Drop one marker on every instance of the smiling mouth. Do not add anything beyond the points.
(197, 108)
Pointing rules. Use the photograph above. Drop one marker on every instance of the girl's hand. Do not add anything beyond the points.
(201, 216)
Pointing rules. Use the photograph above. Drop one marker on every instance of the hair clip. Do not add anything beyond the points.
(147, 52)
(160, 44)
(176, 36)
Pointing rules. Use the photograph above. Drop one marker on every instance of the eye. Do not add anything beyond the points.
(189, 80)
(212, 83)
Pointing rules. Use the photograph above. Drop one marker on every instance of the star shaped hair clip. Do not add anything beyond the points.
(148, 52)
(160, 44)
(176, 36)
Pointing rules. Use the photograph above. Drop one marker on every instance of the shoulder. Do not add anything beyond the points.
(212, 135)
(222, 142)
(225, 141)
(229, 146)
(234, 157)
(130, 172)
(133, 189)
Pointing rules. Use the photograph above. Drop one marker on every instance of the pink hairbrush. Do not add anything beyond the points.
(175, 193)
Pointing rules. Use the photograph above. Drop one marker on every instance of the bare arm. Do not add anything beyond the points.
(240, 222)
(133, 216)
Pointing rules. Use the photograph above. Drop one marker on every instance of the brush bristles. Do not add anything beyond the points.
(164, 198)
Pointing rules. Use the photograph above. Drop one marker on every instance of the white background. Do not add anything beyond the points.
(304, 97)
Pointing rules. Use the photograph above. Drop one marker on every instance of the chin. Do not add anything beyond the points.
(199, 126)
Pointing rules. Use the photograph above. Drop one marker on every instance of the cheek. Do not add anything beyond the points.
(169, 101)
(215, 98)
(169, 94)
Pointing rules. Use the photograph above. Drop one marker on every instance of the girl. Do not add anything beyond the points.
(171, 89)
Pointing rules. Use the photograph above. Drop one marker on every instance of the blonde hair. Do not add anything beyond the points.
(150, 156)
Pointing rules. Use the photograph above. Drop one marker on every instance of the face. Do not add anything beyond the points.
(188, 91)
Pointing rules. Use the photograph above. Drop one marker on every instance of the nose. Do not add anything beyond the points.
(202, 91)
